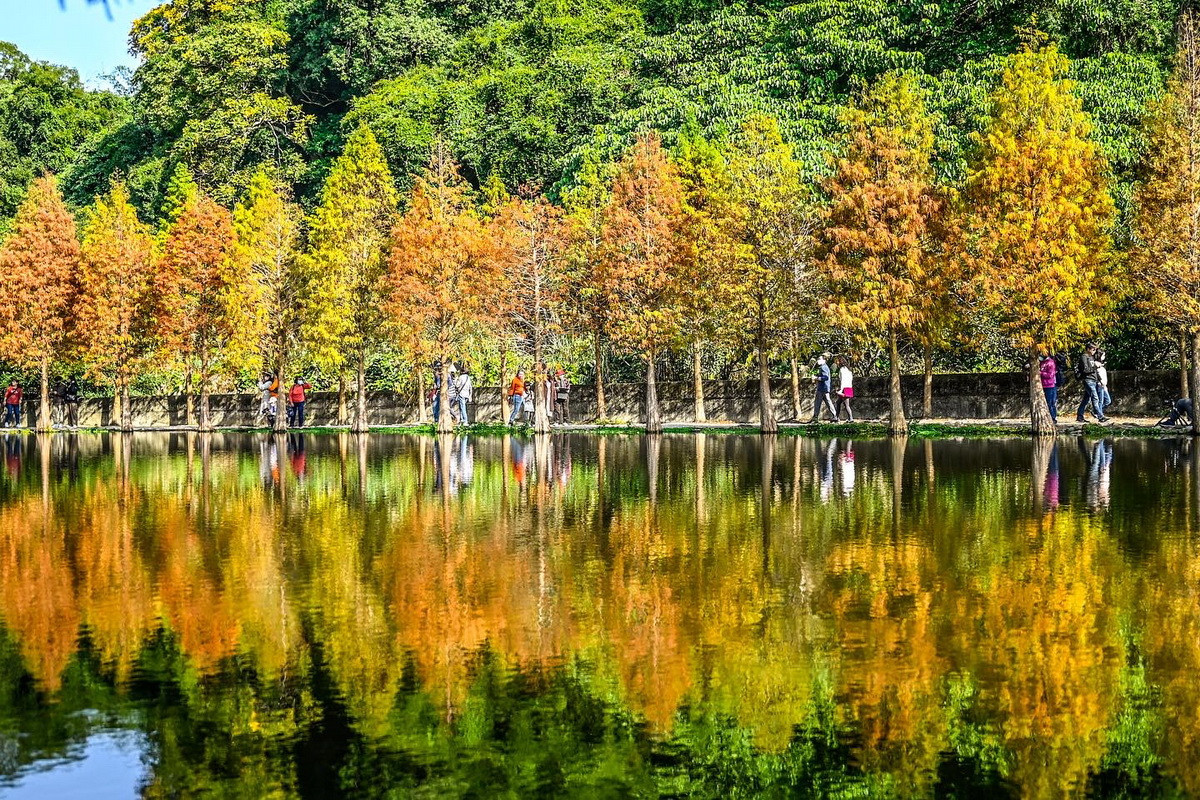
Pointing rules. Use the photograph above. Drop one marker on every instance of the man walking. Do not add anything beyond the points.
(299, 398)
(824, 382)
(12, 405)
(464, 389)
(1090, 375)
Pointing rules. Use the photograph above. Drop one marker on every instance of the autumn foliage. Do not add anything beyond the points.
(40, 262)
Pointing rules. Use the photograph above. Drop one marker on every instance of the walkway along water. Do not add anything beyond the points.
(967, 396)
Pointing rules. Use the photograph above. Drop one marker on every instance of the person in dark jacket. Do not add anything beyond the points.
(1089, 373)
(824, 382)
(1181, 413)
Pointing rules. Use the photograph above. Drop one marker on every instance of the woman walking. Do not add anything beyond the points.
(845, 391)
(1048, 370)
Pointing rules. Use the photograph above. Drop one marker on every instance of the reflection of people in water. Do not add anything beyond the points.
(518, 461)
(564, 464)
(12, 454)
(1099, 474)
(465, 462)
(827, 471)
(268, 461)
(1051, 490)
(847, 462)
(298, 456)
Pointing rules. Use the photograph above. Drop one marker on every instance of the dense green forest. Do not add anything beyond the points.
(524, 90)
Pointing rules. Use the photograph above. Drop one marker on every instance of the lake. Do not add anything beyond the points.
(575, 615)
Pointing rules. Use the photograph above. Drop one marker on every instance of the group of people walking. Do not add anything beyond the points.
(556, 389)
(823, 377)
(295, 397)
(462, 393)
(1091, 368)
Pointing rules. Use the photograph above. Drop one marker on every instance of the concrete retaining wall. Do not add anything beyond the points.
(959, 396)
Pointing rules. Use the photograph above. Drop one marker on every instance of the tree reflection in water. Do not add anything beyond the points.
(710, 615)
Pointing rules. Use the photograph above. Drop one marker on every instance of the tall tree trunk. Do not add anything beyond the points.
(1195, 379)
(360, 396)
(897, 424)
(698, 383)
(601, 404)
(504, 409)
(1183, 365)
(422, 411)
(343, 413)
(280, 425)
(927, 400)
(541, 399)
(445, 418)
(205, 415)
(45, 422)
(189, 400)
(766, 406)
(794, 363)
(1039, 412)
(653, 414)
(126, 407)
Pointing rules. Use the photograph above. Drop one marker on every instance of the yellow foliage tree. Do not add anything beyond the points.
(1040, 213)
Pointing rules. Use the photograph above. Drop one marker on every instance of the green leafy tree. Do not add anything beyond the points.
(344, 266)
(777, 230)
(267, 227)
(1166, 251)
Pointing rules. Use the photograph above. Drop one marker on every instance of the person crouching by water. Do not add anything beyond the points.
(298, 398)
(845, 392)
(824, 382)
(516, 395)
(1048, 370)
(12, 405)
(1181, 413)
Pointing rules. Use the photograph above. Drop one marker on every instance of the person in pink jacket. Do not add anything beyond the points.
(1049, 372)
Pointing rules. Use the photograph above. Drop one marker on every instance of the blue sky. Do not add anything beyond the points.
(80, 36)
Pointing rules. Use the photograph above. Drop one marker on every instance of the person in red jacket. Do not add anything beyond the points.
(298, 398)
(12, 405)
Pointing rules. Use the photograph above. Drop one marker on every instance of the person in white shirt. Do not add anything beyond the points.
(1102, 372)
(463, 388)
(845, 391)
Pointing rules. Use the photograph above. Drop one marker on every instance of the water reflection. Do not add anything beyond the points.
(344, 615)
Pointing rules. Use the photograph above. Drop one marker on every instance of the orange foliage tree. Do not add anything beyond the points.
(878, 240)
(115, 312)
(40, 263)
(445, 268)
(535, 236)
(645, 252)
(200, 308)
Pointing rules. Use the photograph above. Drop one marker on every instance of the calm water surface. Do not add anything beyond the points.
(572, 616)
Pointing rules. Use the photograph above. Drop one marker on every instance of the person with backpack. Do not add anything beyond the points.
(562, 397)
(1086, 370)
